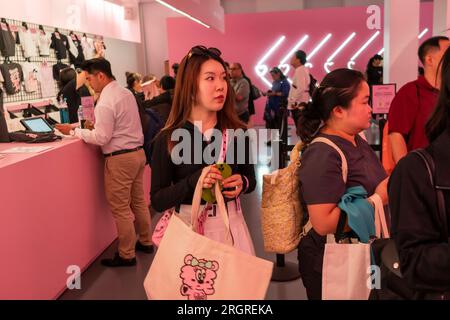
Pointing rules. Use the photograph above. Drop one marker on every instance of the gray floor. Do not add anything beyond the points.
(99, 282)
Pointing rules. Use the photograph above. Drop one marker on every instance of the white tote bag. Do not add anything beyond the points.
(346, 271)
(189, 266)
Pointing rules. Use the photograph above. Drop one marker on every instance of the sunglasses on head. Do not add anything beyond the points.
(206, 52)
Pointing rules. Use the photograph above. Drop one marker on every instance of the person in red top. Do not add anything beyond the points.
(416, 100)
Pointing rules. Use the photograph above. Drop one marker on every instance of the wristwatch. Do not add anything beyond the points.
(72, 132)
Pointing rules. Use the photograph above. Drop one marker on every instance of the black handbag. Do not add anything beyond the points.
(393, 285)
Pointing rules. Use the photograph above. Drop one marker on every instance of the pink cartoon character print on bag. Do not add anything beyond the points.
(161, 227)
(198, 277)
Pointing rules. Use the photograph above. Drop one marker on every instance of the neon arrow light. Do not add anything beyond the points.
(261, 69)
(330, 62)
(351, 63)
(316, 49)
(283, 65)
(424, 32)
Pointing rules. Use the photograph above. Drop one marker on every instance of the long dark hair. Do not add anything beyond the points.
(338, 88)
(186, 89)
(440, 119)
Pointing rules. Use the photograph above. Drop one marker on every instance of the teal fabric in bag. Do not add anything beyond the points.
(359, 212)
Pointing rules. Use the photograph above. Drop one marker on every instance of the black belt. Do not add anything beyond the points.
(115, 153)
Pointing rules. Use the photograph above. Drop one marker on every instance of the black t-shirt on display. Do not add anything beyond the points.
(13, 77)
(79, 59)
(4, 135)
(59, 43)
(7, 41)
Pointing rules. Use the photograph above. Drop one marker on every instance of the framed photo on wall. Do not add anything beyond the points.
(382, 96)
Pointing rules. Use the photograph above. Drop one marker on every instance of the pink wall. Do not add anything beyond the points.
(248, 36)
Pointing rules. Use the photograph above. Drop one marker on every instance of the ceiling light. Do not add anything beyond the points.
(182, 13)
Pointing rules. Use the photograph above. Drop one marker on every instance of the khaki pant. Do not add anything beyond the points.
(125, 194)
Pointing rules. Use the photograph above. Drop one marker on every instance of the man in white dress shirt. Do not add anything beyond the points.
(299, 94)
(118, 131)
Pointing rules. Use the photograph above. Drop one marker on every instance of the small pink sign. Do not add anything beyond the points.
(382, 96)
(88, 108)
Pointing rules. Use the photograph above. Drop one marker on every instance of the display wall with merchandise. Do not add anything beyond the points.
(31, 57)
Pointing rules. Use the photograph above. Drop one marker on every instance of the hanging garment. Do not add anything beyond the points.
(59, 44)
(44, 41)
(31, 76)
(28, 42)
(47, 82)
(7, 40)
(13, 76)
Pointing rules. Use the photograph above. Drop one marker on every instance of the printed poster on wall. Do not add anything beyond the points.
(382, 96)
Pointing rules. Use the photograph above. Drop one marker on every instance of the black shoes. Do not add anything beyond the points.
(146, 249)
(118, 261)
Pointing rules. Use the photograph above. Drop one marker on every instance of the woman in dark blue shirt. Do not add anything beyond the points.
(277, 97)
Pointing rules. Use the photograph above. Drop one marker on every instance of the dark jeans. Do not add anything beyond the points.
(295, 115)
(245, 117)
(310, 261)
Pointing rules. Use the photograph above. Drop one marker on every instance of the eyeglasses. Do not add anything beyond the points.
(206, 52)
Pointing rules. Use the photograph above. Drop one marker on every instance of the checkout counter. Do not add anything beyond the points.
(54, 215)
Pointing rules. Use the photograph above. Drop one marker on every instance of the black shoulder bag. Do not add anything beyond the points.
(393, 286)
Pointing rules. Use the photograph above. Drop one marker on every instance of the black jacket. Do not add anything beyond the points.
(174, 184)
(164, 98)
(424, 256)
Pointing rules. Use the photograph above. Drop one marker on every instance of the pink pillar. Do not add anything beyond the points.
(401, 27)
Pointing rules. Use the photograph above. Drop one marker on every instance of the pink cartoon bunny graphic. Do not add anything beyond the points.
(15, 79)
(198, 278)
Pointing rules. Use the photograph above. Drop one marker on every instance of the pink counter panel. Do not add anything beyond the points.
(54, 215)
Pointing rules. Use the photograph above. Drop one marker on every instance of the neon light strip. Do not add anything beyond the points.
(424, 32)
(342, 46)
(266, 81)
(271, 50)
(365, 46)
(381, 51)
(182, 13)
(302, 41)
(321, 44)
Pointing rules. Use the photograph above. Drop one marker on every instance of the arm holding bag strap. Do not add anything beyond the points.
(196, 200)
(327, 141)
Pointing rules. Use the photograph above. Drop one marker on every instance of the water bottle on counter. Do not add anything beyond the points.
(81, 118)
(64, 114)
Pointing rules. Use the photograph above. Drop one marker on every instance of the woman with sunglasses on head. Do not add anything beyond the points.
(202, 101)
